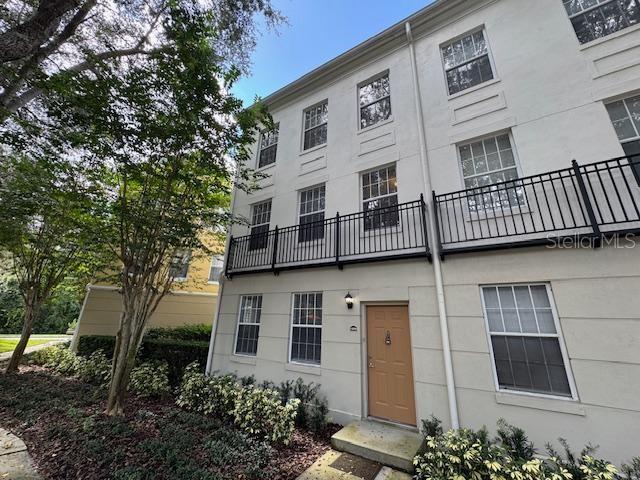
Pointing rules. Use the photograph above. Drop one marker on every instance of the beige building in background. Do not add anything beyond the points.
(444, 146)
(192, 301)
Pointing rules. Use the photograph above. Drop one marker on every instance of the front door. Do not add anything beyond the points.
(389, 363)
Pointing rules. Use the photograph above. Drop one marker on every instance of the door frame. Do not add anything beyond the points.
(364, 363)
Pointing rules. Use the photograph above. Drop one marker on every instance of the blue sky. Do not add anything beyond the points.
(318, 30)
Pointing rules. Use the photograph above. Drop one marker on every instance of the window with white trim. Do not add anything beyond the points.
(260, 219)
(593, 19)
(486, 162)
(625, 117)
(306, 328)
(248, 325)
(268, 146)
(467, 62)
(380, 198)
(315, 125)
(375, 101)
(215, 270)
(525, 339)
(311, 214)
(180, 264)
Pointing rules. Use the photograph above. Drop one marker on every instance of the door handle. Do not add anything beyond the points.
(371, 364)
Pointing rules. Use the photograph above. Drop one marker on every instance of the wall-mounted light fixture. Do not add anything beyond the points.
(348, 300)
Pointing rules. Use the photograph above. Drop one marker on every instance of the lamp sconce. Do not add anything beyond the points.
(348, 299)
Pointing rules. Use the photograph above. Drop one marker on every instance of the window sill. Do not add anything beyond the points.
(213, 282)
(376, 125)
(541, 402)
(474, 89)
(313, 149)
(246, 359)
(266, 168)
(601, 40)
(303, 368)
(180, 279)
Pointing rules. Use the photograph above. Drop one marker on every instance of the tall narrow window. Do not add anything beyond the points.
(260, 218)
(467, 62)
(248, 325)
(380, 198)
(315, 125)
(180, 264)
(268, 147)
(311, 214)
(217, 262)
(592, 19)
(525, 340)
(625, 116)
(306, 328)
(487, 162)
(375, 101)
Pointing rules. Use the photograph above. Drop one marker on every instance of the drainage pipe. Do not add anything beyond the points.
(437, 266)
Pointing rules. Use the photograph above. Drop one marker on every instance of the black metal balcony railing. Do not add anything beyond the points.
(591, 200)
(397, 231)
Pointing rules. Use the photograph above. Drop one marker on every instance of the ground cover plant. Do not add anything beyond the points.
(61, 419)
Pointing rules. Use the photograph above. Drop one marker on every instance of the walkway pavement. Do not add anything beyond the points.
(15, 462)
(335, 465)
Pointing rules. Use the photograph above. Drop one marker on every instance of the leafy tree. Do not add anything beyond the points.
(48, 226)
(44, 41)
(165, 139)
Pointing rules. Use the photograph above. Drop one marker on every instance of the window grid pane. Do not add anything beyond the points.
(306, 330)
(593, 19)
(260, 218)
(526, 348)
(180, 264)
(625, 117)
(268, 147)
(248, 324)
(315, 125)
(380, 194)
(487, 162)
(311, 214)
(375, 101)
(217, 263)
(466, 62)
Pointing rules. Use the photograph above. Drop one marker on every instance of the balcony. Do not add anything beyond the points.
(592, 201)
(387, 233)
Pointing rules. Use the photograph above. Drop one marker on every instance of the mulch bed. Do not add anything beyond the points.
(61, 421)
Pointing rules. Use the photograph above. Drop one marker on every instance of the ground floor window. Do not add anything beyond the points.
(306, 328)
(248, 325)
(525, 339)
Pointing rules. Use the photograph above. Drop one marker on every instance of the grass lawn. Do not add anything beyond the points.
(8, 344)
(62, 422)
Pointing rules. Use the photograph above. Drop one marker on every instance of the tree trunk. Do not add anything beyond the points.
(31, 311)
(128, 340)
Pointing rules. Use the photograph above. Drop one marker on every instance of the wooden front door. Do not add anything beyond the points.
(390, 369)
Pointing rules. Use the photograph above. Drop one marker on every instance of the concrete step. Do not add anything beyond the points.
(386, 444)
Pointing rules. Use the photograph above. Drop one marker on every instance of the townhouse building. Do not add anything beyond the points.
(446, 225)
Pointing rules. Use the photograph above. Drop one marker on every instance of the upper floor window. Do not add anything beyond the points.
(217, 263)
(315, 125)
(525, 339)
(306, 328)
(625, 116)
(486, 162)
(467, 62)
(375, 101)
(311, 214)
(260, 219)
(380, 198)
(180, 264)
(592, 19)
(268, 147)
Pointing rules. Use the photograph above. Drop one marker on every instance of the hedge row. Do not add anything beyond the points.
(176, 353)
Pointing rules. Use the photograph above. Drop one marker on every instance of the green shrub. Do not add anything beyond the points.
(583, 466)
(631, 471)
(176, 353)
(227, 447)
(200, 333)
(150, 379)
(254, 410)
(95, 369)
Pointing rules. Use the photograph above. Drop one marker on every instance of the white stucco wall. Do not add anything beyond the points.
(548, 93)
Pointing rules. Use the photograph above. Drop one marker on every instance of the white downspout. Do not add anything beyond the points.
(437, 267)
